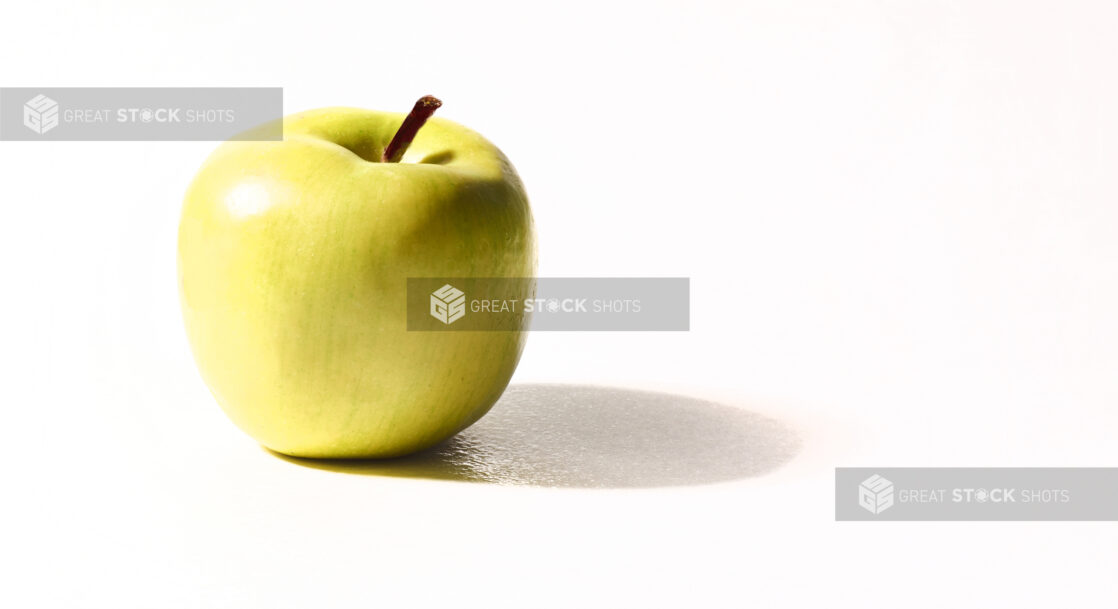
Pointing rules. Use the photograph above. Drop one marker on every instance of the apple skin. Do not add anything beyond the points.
(293, 258)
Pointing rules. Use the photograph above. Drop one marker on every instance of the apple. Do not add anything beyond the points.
(293, 260)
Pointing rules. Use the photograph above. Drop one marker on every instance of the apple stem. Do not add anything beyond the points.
(422, 111)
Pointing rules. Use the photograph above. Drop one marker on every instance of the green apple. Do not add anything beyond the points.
(293, 259)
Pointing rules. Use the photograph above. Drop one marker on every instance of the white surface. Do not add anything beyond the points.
(900, 223)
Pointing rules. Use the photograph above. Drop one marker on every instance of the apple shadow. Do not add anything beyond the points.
(584, 436)
(439, 158)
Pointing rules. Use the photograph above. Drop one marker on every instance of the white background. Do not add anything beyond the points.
(899, 219)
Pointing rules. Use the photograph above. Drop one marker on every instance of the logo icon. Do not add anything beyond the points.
(875, 494)
(40, 114)
(448, 304)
